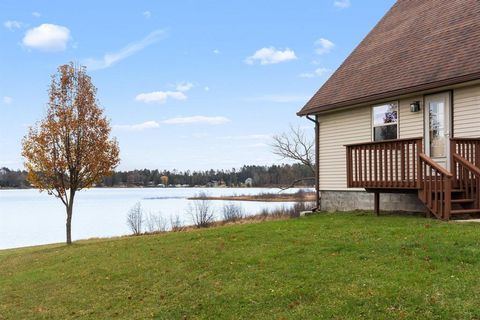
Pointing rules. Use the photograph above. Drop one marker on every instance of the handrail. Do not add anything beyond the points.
(466, 148)
(382, 142)
(467, 177)
(435, 165)
(475, 170)
(435, 187)
(465, 139)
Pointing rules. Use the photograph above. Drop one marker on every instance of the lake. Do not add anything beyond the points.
(28, 217)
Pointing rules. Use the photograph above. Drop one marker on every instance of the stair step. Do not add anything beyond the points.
(453, 191)
(465, 211)
(462, 200)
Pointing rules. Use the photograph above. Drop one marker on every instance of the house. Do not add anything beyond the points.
(397, 124)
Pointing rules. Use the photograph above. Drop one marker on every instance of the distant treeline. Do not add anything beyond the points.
(261, 176)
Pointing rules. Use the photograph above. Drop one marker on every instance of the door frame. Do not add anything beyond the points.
(447, 96)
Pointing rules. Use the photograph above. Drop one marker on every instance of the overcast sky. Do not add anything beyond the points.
(187, 84)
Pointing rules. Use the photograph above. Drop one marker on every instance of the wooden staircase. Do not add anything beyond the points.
(453, 194)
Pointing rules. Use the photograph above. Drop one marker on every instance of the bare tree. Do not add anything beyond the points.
(201, 211)
(295, 145)
(135, 219)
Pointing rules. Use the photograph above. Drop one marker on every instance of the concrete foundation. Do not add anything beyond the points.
(362, 200)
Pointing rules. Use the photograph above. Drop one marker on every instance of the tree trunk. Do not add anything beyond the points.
(69, 224)
(69, 217)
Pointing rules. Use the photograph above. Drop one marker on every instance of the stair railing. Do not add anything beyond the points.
(467, 177)
(468, 149)
(435, 187)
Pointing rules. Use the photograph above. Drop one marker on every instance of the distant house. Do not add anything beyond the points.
(400, 117)
(248, 182)
(212, 184)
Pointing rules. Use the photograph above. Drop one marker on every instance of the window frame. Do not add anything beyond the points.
(372, 119)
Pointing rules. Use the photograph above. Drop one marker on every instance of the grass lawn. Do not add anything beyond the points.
(328, 266)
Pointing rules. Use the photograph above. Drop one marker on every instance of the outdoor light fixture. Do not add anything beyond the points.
(415, 106)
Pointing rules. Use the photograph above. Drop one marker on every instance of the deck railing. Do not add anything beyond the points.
(385, 164)
(468, 149)
(468, 178)
(435, 186)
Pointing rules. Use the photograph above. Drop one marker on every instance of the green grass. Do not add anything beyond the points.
(328, 266)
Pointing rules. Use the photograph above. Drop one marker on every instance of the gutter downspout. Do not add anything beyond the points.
(317, 161)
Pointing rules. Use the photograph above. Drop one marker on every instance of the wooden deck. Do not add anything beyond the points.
(401, 166)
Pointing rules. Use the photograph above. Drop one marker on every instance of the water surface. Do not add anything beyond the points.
(28, 217)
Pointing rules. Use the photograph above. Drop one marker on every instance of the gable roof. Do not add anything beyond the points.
(418, 45)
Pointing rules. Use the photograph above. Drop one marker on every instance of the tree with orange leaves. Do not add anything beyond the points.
(70, 149)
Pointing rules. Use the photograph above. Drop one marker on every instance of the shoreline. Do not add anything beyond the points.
(155, 187)
(289, 197)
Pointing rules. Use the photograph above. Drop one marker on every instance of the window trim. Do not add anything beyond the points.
(372, 119)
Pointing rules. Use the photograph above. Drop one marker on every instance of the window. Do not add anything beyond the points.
(385, 121)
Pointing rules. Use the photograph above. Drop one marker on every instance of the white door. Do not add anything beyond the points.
(438, 126)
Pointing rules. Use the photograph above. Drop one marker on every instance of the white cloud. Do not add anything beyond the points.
(47, 37)
(197, 120)
(12, 24)
(323, 46)
(184, 86)
(316, 73)
(137, 127)
(216, 51)
(206, 88)
(7, 100)
(160, 96)
(342, 4)
(36, 14)
(280, 98)
(109, 59)
(147, 14)
(271, 56)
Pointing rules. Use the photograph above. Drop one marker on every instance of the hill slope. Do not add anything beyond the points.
(327, 266)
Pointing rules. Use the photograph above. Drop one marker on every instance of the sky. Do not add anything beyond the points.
(186, 84)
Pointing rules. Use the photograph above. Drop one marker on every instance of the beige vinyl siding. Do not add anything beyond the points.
(466, 112)
(410, 123)
(336, 130)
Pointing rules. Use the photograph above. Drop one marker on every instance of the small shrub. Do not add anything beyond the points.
(135, 219)
(232, 212)
(201, 212)
(175, 223)
(155, 223)
(284, 211)
(264, 213)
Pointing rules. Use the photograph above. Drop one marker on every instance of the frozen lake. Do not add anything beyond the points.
(28, 217)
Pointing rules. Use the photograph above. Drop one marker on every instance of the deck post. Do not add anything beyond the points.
(376, 203)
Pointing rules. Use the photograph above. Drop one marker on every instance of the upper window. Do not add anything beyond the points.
(385, 121)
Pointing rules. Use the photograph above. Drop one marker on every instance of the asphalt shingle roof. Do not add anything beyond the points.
(418, 45)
